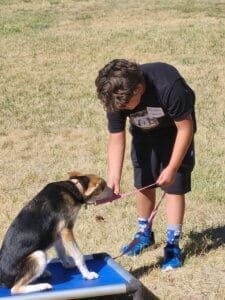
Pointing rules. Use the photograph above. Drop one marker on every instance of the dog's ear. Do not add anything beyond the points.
(74, 174)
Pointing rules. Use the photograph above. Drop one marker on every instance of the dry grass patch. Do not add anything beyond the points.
(51, 121)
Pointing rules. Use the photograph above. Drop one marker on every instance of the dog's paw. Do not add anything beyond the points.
(45, 286)
(91, 275)
(68, 263)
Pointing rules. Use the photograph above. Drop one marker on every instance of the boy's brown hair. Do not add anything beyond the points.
(116, 83)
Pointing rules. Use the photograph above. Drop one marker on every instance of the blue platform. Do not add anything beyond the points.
(69, 284)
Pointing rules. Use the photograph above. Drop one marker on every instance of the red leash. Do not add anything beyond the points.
(150, 219)
(124, 195)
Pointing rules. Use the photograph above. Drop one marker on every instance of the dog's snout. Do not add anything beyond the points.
(105, 193)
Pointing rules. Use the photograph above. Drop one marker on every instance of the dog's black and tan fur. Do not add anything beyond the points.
(47, 220)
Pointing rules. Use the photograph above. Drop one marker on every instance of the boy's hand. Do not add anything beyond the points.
(115, 186)
(166, 177)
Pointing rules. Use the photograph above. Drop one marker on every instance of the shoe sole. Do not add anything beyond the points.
(169, 268)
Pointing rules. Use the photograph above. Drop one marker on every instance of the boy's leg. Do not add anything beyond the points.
(145, 201)
(142, 155)
(175, 207)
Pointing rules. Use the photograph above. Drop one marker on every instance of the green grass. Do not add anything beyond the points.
(51, 121)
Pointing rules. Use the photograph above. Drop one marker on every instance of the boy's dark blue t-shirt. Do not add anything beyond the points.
(167, 98)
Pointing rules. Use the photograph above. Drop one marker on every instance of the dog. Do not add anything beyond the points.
(47, 220)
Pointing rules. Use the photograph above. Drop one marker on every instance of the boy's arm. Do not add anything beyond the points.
(182, 142)
(116, 149)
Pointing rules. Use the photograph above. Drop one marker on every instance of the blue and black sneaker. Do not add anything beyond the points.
(172, 258)
(146, 240)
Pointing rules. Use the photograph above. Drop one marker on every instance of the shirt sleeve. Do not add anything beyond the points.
(116, 121)
(180, 102)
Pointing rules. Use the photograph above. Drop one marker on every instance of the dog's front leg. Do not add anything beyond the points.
(67, 262)
(73, 250)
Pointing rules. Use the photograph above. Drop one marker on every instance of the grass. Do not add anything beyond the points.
(51, 121)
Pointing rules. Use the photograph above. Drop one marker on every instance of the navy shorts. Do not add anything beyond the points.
(151, 157)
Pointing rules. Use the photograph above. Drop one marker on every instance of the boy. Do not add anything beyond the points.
(160, 107)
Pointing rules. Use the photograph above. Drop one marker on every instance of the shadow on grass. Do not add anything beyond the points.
(139, 272)
(202, 242)
(199, 243)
